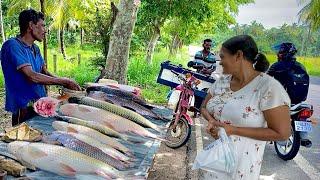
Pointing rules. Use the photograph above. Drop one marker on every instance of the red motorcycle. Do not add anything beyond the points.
(180, 128)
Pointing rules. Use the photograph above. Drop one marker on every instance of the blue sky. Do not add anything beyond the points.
(271, 13)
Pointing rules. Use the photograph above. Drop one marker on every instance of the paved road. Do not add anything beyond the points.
(306, 166)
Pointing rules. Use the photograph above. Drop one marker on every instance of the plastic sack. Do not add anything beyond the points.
(219, 156)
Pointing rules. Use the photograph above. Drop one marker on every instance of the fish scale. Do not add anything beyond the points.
(64, 126)
(75, 144)
(118, 92)
(118, 110)
(131, 105)
(113, 121)
(61, 160)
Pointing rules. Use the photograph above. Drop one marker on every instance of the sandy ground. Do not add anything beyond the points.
(174, 164)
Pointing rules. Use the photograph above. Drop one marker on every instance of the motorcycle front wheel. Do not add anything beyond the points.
(180, 136)
(288, 149)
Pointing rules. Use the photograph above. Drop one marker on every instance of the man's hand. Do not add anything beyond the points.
(70, 84)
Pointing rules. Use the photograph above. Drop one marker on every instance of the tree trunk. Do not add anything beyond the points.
(58, 38)
(175, 44)
(81, 35)
(108, 30)
(45, 45)
(61, 37)
(1, 22)
(118, 53)
(152, 44)
(307, 40)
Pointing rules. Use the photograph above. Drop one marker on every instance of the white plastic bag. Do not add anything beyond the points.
(219, 156)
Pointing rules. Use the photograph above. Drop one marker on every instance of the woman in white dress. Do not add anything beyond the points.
(250, 105)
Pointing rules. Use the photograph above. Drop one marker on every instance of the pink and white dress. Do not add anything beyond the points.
(244, 108)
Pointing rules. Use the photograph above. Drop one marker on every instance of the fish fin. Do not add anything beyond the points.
(109, 101)
(136, 139)
(47, 141)
(28, 165)
(108, 125)
(36, 153)
(129, 108)
(70, 129)
(67, 170)
(83, 109)
(104, 175)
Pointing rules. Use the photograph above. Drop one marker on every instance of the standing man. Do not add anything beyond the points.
(24, 69)
(204, 60)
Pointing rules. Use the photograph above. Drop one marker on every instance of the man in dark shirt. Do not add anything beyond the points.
(290, 73)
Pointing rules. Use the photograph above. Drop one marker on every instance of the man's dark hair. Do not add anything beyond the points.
(26, 16)
(207, 40)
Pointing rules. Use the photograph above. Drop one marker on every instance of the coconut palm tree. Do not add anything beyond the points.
(310, 15)
(61, 12)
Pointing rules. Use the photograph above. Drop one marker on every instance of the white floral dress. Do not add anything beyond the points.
(244, 108)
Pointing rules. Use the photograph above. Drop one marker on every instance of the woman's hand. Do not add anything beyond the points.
(213, 129)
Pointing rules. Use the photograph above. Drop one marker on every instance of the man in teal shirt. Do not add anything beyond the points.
(24, 69)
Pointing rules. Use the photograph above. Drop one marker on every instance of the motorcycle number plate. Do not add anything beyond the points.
(303, 126)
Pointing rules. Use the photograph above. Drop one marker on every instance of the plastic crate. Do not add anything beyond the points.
(167, 78)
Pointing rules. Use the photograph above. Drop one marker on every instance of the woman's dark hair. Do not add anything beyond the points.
(26, 16)
(248, 46)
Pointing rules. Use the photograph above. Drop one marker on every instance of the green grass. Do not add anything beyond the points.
(312, 64)
(139, 72)
(144, 75)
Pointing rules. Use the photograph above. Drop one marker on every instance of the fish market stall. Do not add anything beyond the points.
(142, 144)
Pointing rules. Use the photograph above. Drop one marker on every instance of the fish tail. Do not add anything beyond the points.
(133, 174)
(154, 136)
(136, 139)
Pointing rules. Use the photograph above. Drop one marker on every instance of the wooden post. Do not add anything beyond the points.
(79, 59)
(54, 63)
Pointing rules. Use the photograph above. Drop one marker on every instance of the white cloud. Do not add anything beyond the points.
(270, 13)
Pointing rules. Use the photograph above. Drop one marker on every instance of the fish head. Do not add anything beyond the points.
(60, 125)
(68, 109)
(14, 147)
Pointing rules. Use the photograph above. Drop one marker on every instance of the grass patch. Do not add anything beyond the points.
(312, 64)
(144, 75)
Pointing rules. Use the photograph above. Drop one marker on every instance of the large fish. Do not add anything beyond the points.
(134, 90)
(62, 161)
(123, 112)
(113, 121)
(119, 93)
(131, 105)
(75, 144)
(101, 128)
(94, 125)
(67, 127)
(103, 147)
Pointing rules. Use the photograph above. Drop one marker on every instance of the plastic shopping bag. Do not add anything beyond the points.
(219, 156)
